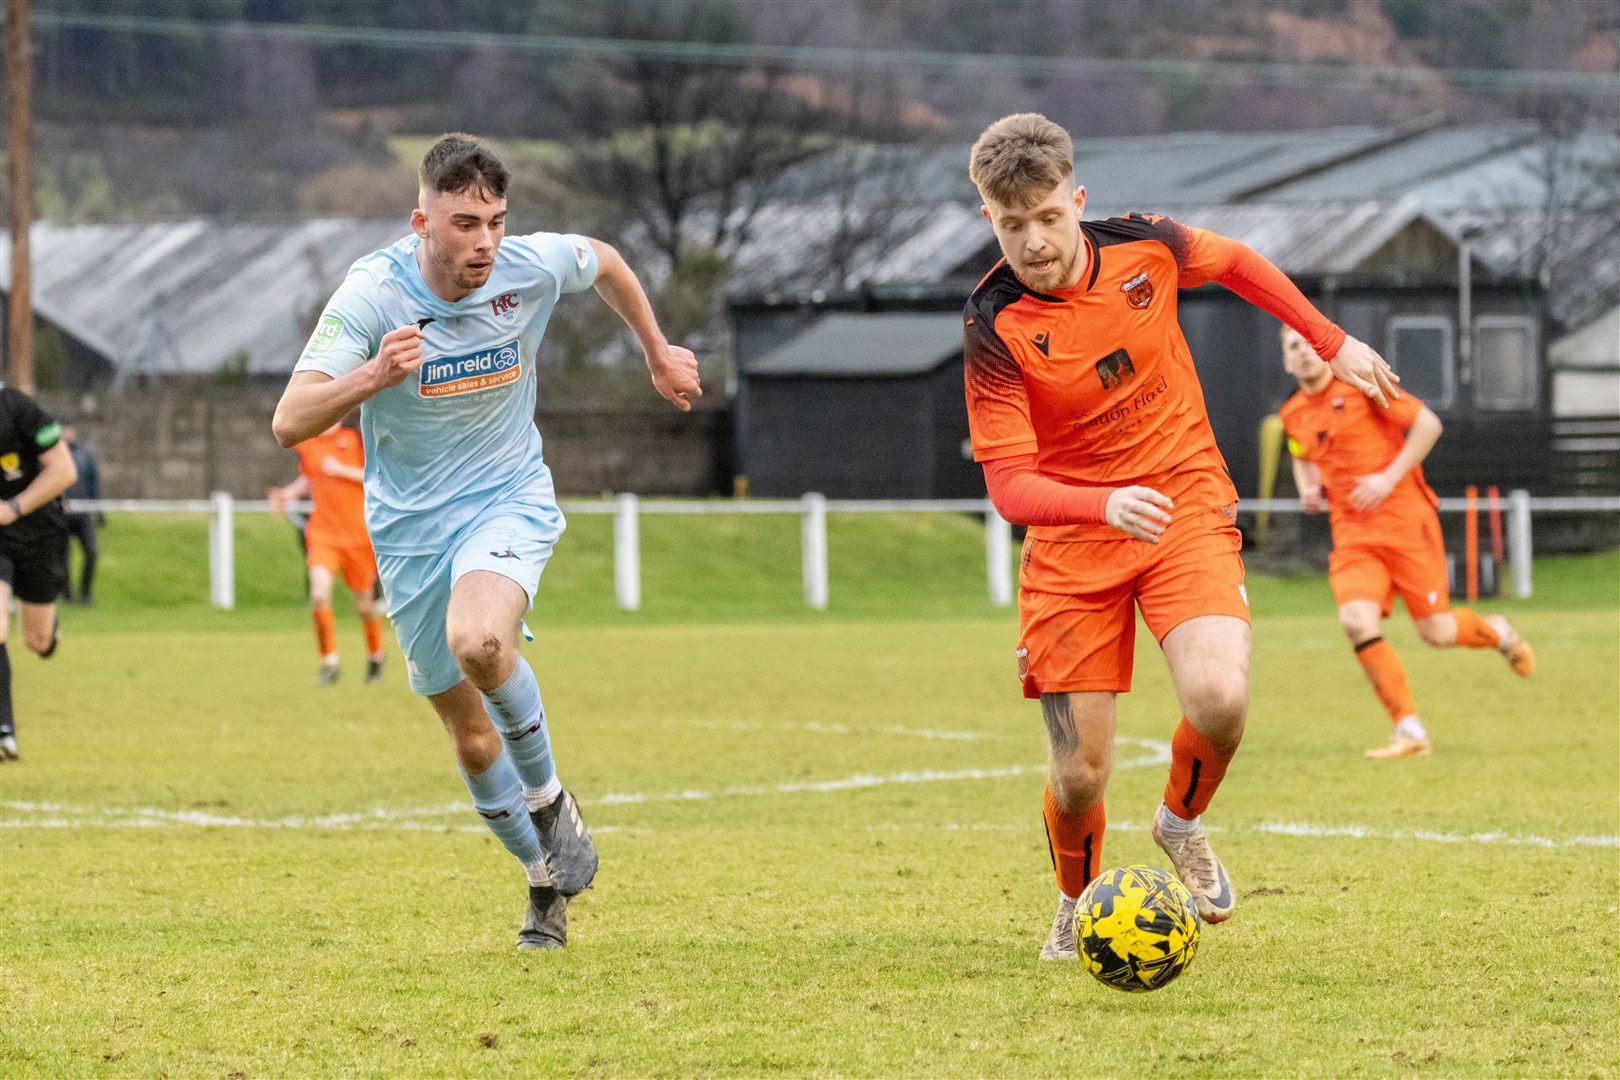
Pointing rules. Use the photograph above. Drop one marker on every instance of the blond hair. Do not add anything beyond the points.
(1019, 158)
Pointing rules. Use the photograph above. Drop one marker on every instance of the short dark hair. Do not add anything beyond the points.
(460, 163)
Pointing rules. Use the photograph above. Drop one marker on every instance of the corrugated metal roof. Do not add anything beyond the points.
(1203, 166)
(866, 346)
(189, 296)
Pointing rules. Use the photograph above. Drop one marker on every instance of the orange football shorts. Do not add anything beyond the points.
(1413, 564)
(1077, 601)
(354, 561)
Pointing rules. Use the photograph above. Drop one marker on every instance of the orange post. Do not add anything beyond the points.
(1493, 502)
(1471, 541)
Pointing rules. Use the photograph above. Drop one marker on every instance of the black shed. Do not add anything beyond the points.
(860, 406)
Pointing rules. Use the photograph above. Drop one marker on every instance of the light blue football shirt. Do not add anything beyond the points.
(457, 436)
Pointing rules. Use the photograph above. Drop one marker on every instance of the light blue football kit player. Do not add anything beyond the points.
(455, 480)
(435, 339)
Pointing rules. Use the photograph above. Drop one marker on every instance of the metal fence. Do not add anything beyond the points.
(813, 510)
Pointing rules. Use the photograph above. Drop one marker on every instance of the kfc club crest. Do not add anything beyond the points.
(505, 307)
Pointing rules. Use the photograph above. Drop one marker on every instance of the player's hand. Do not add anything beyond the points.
(1371, 490)
(1140, 512)
(278, 500)
(1359, 364)
(1311, 500)
(674, 373)
(331, 466)
(399, 354)
(7, 514)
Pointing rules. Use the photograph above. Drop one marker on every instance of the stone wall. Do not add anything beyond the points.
(185, 443)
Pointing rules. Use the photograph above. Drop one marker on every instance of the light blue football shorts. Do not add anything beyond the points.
(513, 540)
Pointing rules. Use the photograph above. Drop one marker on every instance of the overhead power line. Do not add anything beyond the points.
(825, 58)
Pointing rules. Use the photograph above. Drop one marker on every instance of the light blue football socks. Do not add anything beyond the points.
(497, 795)
(515, 709)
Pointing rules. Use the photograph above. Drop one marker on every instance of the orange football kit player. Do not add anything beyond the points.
(331, 471)
(1365, 464)
(1087, 415)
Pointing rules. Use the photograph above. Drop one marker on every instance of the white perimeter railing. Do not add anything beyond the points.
(813, 509)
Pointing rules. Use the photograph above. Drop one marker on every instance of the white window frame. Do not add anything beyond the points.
(1448, 362)
(1533, 340)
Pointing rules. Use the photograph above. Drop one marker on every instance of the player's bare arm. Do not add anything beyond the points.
(1309, 482)
(1139, 512)
(1420, 439)
(314, 401)
(1359, 365)
(673, 369)
(280, 497)
(56, 474)
(331, 466)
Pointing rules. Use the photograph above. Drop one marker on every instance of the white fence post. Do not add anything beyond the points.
(1519, 552)
(221, 556)
(627, 552)
(998, 555)
(815, 551)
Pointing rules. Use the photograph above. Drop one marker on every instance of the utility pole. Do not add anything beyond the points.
(20, 178)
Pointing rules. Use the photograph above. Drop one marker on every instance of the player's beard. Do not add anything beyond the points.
(465, 278)
(473, 278)
(1055, 276)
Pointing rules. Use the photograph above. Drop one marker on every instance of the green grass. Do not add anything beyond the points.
(213, 868)
(887, 930)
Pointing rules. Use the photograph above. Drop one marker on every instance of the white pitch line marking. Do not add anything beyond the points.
(1157, 753)
(845, 729)
(1307, 829)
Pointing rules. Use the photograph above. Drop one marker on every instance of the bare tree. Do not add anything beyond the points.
(659, 137)
(1576, 163)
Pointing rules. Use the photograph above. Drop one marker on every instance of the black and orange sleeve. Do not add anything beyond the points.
(997, 402)
(1203, 256)
(1200, 255)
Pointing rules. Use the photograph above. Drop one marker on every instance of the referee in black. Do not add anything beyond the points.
(35, 468)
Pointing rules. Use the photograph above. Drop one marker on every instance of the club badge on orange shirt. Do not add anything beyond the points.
(1138, 290)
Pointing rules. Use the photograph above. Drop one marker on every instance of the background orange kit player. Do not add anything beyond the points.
(331, 469)
(1364, 463)
(1087, 415)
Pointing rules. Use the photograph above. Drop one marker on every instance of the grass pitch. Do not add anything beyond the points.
(822, 854)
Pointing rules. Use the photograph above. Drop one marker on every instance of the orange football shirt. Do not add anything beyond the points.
(339, 518)
(1097, 381)
(1347, 435)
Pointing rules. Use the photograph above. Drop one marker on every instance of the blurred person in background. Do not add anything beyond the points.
(35, 469)
(331, 472)
(434, 339)
(1364, 465)
(82, 524)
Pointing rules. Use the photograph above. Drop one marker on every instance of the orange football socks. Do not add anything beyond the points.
(1196, 770)
(1076, 843)
(1388, 678)
(1474, 632)
(325, 632)
(373, 631)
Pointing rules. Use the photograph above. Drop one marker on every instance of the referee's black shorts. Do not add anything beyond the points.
(36, 567)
